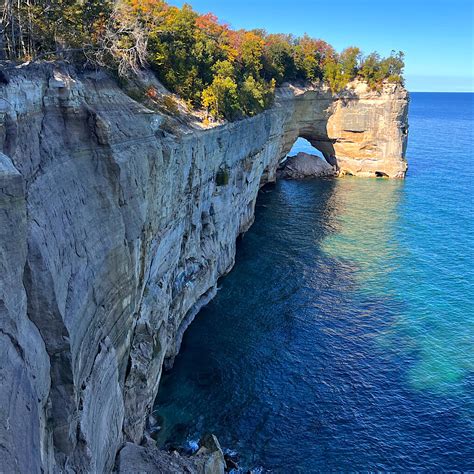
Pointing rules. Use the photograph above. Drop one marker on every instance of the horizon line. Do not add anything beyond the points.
(442, 92)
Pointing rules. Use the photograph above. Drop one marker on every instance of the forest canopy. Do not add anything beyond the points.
(231, 73)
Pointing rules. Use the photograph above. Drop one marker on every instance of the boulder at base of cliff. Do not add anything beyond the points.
(149, 459)
(304, 165)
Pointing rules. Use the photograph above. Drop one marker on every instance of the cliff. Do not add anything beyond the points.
(116, 223)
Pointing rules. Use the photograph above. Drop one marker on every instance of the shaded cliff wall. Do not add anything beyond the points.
(116, 223)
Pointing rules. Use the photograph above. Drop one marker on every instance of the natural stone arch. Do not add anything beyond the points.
(361, 132)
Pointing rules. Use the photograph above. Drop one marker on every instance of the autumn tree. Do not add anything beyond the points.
(278, 58)
(310, 56)
(221, 97)
(231, 73)
(251, 53)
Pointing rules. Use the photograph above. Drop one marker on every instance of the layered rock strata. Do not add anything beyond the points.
(116, 223)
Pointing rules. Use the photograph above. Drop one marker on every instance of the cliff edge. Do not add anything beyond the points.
(116, 223)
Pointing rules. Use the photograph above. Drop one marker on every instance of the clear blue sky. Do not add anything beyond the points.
(436, 35)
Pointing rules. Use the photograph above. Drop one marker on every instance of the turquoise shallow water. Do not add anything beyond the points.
(344, 337)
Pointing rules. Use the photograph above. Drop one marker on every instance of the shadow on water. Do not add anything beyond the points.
(306, 359)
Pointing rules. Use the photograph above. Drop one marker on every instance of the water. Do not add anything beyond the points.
(344, 337)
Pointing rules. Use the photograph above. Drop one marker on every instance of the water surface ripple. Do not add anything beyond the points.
(344, 337)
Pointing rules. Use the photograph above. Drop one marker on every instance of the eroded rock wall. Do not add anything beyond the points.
(361, 132)
(116, 223)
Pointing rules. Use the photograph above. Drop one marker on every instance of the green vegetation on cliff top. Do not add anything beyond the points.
(231, 73)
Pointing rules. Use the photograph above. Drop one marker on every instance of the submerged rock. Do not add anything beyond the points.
(304, 165)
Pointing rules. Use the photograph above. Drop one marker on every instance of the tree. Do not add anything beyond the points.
(333, 74)
(349, 60)
(278, 59)
(52, 28)
(233, 73)
(371, 72)
(221, 97)
(340, 69)
(393, 67)
(310, 56)
(251, 53)
(124, 42)
(256, 95)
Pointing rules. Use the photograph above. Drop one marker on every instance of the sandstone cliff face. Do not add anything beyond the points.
(362, 132)
(115, 224)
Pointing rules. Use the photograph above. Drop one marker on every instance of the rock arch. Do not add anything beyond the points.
(361, 132)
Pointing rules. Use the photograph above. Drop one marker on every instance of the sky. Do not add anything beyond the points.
(435, 35)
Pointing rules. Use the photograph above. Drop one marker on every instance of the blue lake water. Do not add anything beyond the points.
(344, 337)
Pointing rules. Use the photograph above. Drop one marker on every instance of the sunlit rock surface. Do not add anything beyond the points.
(116, 223)
(361, 132)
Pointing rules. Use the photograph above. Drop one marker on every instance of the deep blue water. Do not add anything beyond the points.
(344, 337)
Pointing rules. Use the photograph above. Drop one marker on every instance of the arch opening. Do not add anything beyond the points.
(311, 142)
(306, 159)
(303, 145)
(322, 148)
